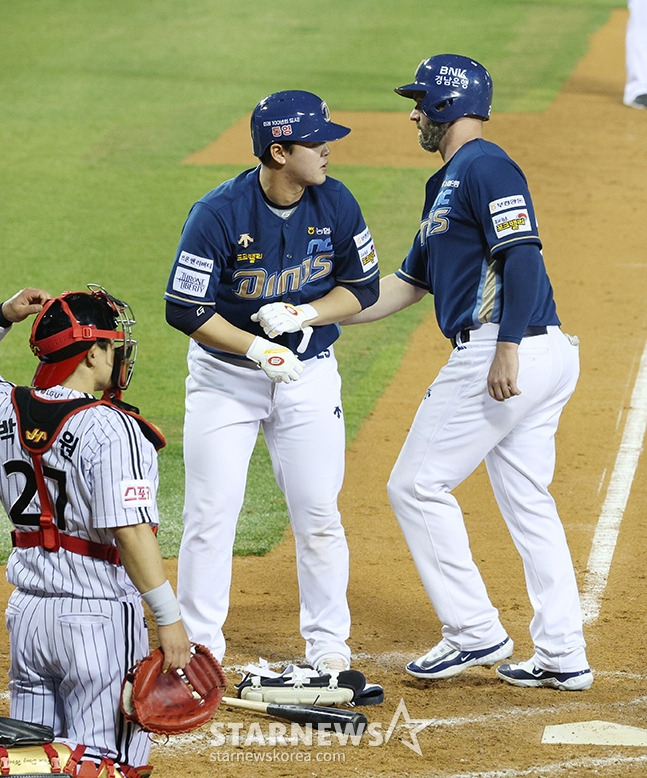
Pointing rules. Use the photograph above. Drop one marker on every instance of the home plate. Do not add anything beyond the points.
(597, 733)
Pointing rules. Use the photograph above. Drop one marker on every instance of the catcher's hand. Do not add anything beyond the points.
(277, 318)
(278, 362)
(175, 702)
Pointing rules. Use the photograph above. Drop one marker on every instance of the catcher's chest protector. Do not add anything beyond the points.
(40, 420)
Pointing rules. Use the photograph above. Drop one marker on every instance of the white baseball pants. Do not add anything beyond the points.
(457, 426)
(303, 425)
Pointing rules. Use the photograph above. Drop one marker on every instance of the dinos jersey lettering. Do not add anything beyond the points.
(236, 254)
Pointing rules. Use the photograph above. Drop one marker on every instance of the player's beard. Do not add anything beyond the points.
(431, 135)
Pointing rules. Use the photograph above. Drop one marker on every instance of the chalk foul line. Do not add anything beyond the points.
(608, 526)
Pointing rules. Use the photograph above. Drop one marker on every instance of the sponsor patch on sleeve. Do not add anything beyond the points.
(368, 256)
(190, 282)
(505, 203)
(362, 238)
(196, 262)
(136, 493)
(511, 222)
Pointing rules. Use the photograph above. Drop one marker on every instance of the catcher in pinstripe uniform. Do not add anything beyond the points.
(78, 480)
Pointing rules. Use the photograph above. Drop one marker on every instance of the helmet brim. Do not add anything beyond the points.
(331, 132)
(410, 90)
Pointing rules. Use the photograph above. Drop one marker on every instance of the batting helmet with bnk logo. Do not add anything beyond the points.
(292, 116)
(449, 86)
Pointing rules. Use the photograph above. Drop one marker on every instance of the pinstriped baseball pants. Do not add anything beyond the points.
(68, 661)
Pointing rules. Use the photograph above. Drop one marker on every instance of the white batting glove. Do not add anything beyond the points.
(277, 362)
(277, 318)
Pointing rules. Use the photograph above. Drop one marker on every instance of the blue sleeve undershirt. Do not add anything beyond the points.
(522, 267)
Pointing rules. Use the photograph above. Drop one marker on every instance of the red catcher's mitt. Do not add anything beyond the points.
(173, 702)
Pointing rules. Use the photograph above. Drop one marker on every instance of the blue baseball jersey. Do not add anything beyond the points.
(237, 254)
(476, 206)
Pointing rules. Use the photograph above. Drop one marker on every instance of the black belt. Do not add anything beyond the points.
(464, 335)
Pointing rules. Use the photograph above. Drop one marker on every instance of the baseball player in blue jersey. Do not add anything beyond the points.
(78, 482)
(267, 264)
(499, 397)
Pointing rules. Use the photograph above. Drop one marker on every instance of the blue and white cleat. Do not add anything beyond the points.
(526, 674)
(443, 661)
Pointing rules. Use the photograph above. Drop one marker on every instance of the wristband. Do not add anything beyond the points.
(4, 322)
(163, 602)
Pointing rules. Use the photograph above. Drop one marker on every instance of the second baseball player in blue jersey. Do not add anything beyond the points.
(461, 268)
(497, 400)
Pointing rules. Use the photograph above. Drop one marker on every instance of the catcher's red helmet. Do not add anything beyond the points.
(69, 324)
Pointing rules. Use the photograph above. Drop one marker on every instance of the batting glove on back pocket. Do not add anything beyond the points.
(277, 362)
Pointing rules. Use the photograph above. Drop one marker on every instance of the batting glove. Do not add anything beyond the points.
(277, 362)
(277, 318)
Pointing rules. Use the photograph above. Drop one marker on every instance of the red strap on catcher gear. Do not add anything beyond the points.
(52, 755)
(75, 756)
(68, 542)
(49, 536)
(4, 761)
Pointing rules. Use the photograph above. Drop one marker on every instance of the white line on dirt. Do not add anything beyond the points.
(608, 526)
(557, 768)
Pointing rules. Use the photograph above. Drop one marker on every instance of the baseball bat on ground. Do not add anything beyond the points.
(303, 714)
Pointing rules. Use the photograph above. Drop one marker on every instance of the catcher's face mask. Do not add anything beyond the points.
(67, 327)
(125, 344)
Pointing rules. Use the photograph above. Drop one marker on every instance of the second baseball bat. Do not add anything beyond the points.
(303, 714)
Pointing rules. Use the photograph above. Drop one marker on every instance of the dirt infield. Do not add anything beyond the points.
(586, 163)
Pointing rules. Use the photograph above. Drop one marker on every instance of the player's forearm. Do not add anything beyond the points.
(338, 304)
(140, 556)
(218, 333)
(395, 295)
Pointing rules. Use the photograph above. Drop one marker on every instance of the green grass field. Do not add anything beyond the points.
(101, 102)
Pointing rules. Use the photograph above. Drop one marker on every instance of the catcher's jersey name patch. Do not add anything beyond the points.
(136, 493)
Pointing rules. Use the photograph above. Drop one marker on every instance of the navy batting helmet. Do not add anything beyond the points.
(451, 86)
(69, 324)
(292, 116)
